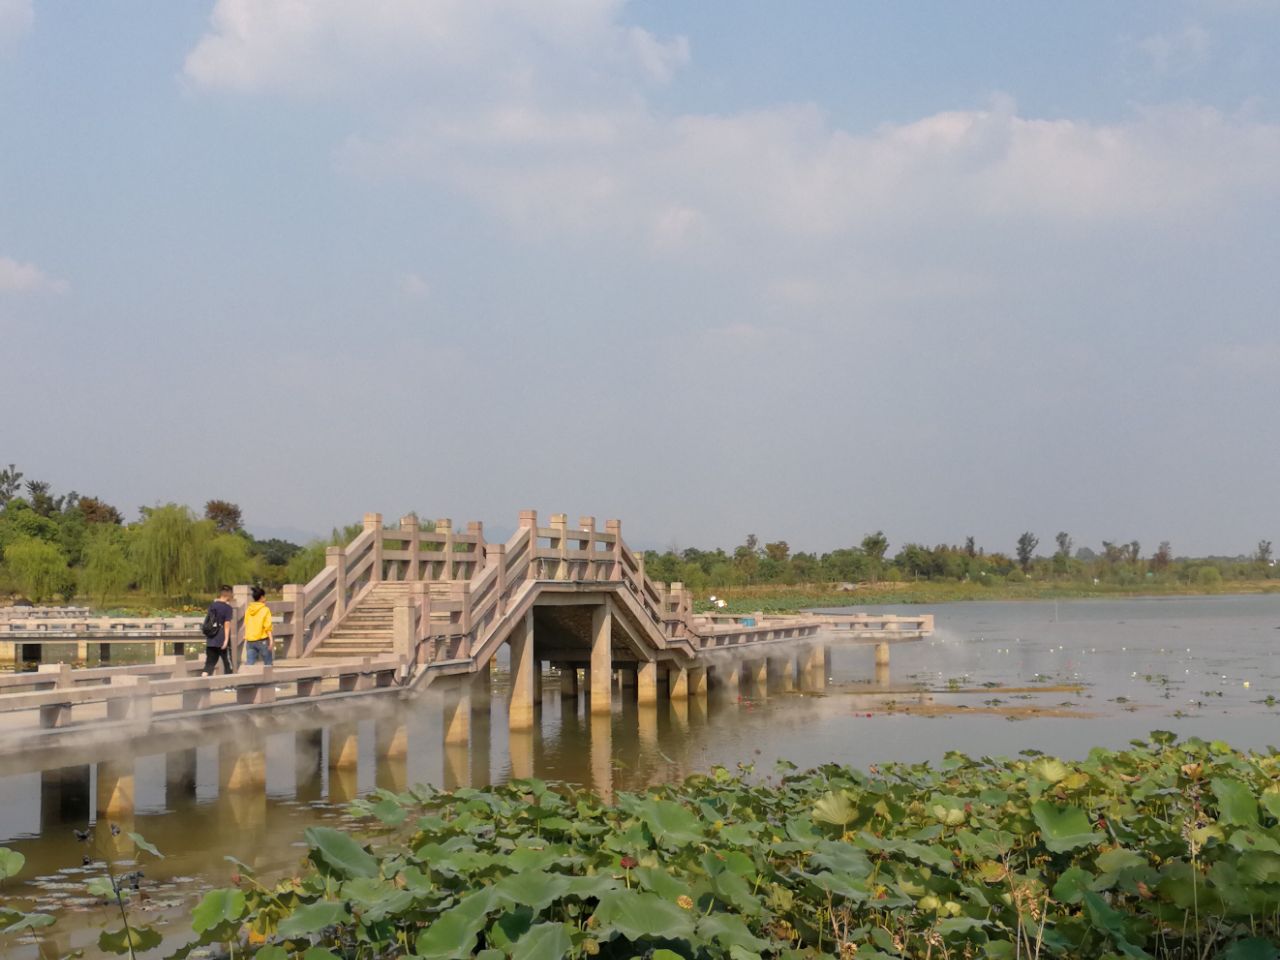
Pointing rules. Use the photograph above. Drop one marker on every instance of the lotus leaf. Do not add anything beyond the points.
(1064, 828)
(340, 853)
(314, 917)
(639, 915)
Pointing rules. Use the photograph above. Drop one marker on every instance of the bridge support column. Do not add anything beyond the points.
(882, 664)
(813, 670)
(782, 674)
(568, 681)
(728, 678)
(520, 712)
(677, 682)
(628, 678)
(82, 652)
(180, 775)
(482, 688)
(697, 681)
(242, 769)
(344, 746)
(647, 727)
(115, 790)
(9, 651)
(757, 676)
(647, 681)
(455, 723)
(392, 737)
(308, 746)
(601, 659)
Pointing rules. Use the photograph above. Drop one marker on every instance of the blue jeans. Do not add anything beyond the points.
(256, 650)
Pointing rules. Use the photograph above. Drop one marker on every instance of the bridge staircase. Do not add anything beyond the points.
(367, 630)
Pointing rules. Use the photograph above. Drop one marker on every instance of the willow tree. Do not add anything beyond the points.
(167, 548)
(40, 568)
(226, 559)
(104, 567)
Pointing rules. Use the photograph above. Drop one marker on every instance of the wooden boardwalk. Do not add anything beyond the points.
(403, 607)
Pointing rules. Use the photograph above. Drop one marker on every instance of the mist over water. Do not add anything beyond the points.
(1179, 664)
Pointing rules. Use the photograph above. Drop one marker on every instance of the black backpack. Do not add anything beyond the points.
(212, 625)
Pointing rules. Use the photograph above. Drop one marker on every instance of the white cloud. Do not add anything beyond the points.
(16, 18)
(454, 49)
(1179, 51)
(17, 277)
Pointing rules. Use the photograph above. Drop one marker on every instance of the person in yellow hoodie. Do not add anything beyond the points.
(258, 639)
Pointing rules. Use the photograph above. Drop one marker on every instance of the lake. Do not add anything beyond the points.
(996, 678)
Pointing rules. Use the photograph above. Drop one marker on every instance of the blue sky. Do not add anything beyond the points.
(717, 268)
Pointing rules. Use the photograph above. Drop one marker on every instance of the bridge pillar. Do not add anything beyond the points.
(813, 670)
(782, 674)
(882, 654)
(455, 723)
(757, 676)
(82, 652)
(242, 768)
(391, 735)
(647, 681)
(308, 747)
(728, 678)
(115, 789)
(482, 688)
(520, 711)
(628, 678)
(180, 775)
(9, 651)
(601, 659)
(697, 681)
(344, 746)
(677, 682)
(568, 681)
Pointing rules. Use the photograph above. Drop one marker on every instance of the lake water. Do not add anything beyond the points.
(1083, 673)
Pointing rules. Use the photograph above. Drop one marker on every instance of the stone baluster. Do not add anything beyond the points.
(560, 526)
(496, 553)
(295, 602)
(588, 526)
(409, 529)
(444, 530)
(529, 521)
(373, 521)
(336, 557)
(615, 527)
(476, 529)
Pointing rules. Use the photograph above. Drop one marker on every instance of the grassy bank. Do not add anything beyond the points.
(1162, 851)
(774, 598)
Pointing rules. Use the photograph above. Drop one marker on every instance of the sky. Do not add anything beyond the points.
(801, 270)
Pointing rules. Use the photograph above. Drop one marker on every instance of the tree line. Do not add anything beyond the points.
(65, 545)
(1119, 563)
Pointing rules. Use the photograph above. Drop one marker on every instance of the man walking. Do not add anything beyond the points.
(258, 637)
(217, 632)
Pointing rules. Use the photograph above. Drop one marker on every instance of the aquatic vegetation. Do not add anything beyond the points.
(1165, 850)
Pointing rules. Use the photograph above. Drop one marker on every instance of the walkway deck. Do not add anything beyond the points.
(400, 608)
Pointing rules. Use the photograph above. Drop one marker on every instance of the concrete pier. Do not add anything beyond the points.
(601, 659)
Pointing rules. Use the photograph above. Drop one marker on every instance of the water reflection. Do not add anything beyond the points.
(248, 791)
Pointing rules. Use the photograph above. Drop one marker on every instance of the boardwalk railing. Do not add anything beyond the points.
(141, 695)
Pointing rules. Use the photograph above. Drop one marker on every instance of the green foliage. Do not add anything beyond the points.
(167, 549)
(1165, 850)
(305, 564)
(105, 566)
(39, 568)
(226, 560)
(1208, 576)
(224, 515)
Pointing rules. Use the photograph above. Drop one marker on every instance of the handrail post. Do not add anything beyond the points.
(497, 552)
(409, 529)
(560, 524)
(445, 526)
(336, 557)
(295, 598)
(464, 593)
(529, 521)
(588, 526)
(242, 593)
(475, 528)
(373, 521)
(615, 527)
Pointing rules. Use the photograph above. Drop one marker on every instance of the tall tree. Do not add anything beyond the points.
(970, 547)
(875, 546)
(1163, 556)
(777, 551)
(39, 567)
(99, 511)
(1263, 553)
(225, 516)
(1064, 543)
(10, 483)
(105, 568)
(1027, 544)
(167, 549)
